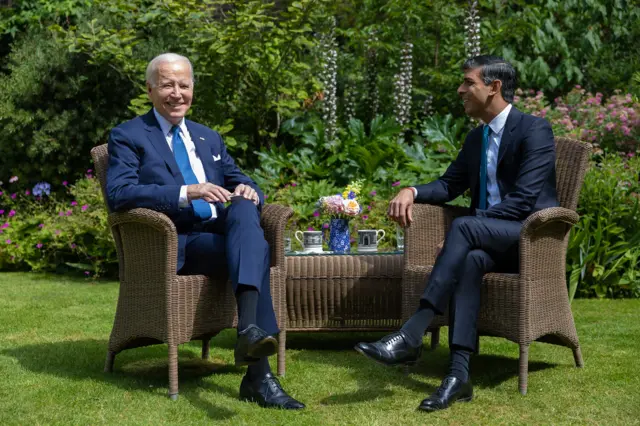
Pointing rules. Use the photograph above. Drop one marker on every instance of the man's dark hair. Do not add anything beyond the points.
(495, 68)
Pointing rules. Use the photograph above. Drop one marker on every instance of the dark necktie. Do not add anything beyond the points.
(482, 204)
(200, 207)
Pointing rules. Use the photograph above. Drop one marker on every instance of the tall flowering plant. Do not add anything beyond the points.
(344, 205)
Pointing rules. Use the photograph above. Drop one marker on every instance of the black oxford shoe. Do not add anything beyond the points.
(267, 392)
(252, 344)
(451, 390)
(392, 349)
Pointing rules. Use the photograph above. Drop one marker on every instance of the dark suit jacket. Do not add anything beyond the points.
(526, 171)
(143, 171)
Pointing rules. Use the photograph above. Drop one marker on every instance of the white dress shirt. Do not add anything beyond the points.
(495, 136)
(194, 159)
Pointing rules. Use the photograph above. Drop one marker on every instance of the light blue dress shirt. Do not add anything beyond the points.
(495, 136)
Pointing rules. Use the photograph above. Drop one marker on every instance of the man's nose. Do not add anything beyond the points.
(461, 90)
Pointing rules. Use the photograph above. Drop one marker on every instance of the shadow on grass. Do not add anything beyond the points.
(143, 369)
(374, 379)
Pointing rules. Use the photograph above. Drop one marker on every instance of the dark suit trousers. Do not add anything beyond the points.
(472, 247)
(233, 245)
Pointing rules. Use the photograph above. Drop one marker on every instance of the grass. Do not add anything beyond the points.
(53, 339)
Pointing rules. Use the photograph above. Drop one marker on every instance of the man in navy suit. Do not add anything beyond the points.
(508, 164)
(163, 162)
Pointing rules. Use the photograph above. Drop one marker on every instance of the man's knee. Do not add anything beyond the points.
(243, 211)
(463, 222)
(478, 259)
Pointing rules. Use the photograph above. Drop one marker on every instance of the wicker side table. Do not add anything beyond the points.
(342, 293)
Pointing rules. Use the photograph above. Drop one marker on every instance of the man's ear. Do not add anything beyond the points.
(148, 89)
(496, 88)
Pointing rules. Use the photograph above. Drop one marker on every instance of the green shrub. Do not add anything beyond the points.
(48, 234)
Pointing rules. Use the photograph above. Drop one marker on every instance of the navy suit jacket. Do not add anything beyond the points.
(526, 172)
(143, 172)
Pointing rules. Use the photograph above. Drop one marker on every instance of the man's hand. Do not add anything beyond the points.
(400, 207)
(247, 192)
(209, 192)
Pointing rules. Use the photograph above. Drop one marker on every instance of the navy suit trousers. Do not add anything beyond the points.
(233, 244)
(473, 246)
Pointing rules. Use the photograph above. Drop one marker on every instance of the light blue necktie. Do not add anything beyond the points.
(482, 204)
(200, 207)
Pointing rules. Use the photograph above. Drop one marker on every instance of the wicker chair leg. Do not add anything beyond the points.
(206, 344)
(282, 343)
(435, 338)
(524, 368)
(173, 372)
(577, 356)
(108, 363)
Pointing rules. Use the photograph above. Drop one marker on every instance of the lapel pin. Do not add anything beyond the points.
(201, 137)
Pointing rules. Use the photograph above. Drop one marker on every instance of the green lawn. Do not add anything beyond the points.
(53, 338)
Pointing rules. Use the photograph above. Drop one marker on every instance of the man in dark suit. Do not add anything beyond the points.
(509, 166)
(163, 162)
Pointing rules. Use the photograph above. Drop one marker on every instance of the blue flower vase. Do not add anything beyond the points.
(339, 237)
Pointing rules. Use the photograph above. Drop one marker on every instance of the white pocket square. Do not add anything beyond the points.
(216, 157)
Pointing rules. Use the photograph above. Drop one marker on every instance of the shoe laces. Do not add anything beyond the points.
(392, 338)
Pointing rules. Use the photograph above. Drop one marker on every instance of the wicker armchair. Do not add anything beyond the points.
(155, 305)
(525, 307)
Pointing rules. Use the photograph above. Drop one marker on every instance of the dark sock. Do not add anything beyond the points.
(247, 299)
(259, 369)
(415, 327)
(459, 362)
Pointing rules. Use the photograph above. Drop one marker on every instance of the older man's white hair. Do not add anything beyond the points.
(152, 69)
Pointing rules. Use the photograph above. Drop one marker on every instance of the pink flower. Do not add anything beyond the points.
(8, 241)
(373, 193)
(1, 212)
(266, 197)
(310, 228)
(87, 273)
(13, 196)
(60, 213)
(69, 212)
(1, 193)
(626, 130)
(41, 226)
(57, 232)
(12, 213)
(39, 245)
(13, 179)
(85, 207)
(325, 225)
(27, 192)
(89, 171)
(609, 126)
(578, 87)
(65, 183)
(74, 203)
(631, 154)
(294, 184)
(365, 217)
(396, 183)
(5, 225)
(73, 245)
(316, 213)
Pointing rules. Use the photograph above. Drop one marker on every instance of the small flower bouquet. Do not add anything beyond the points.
(342, 206)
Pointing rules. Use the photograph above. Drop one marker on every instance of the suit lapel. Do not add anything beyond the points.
(203, 150)
(508, 135)
(159, 142)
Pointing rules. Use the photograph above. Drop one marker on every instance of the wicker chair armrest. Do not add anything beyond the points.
(147, 244)
(543, 243)
(274, 221)
(428, 229)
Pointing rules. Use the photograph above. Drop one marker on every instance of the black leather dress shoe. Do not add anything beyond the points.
(392, 349)
(451, 390)
(252, 344)
(268, 393)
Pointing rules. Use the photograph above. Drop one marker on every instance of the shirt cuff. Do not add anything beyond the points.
(183, 201)
(415, 192)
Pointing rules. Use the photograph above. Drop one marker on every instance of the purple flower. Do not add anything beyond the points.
(8, 241)
(74, 203)
(65, 183)
(85, 207)
(373, 193)
(13, 179)
(13, 196)
(365, 217)
(41, 226)
(1, 193)
(69, 212)
(87, 273)
(1, 212)
(12, 213)
(60, 213)
(396, 183)
(310, 228)
(325, 225)
(41, 188)
(57, 232)
(266, 197)
(5, 225)
(351, 195)
(73, 245)
(27, 192)
(316, 213)
(39, 245)
(89, 171)
(294, 184)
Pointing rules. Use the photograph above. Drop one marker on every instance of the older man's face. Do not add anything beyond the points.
(173, 90)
